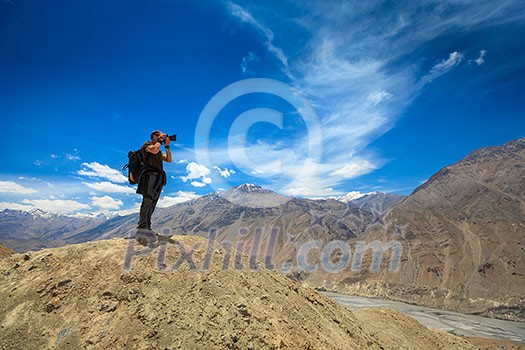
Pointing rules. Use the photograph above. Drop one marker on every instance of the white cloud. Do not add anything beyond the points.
(72, 157)
(109, 187)
(53, 156)
(106, 202)
(197, 184)
(377, 97)
(103, 171)
(442, 67)
(38, 162)
(447, 64)
(481, 59)
(15, 206)
(311, 192)
(56, 205)
(354, 169)
(181, 197)
(132, 210)
(13, 187)
(224, 172)
(181, 161)
(34, 179)
(246, 61)
(197, 171)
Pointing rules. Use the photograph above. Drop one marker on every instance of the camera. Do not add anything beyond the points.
(171, 137)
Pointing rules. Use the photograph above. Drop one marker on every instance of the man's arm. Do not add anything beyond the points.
(155, 148)
(167, 157)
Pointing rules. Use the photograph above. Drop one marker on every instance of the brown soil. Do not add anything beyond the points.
(495, 344)
(79, 297)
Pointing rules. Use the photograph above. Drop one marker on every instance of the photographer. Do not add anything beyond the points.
(153, 178)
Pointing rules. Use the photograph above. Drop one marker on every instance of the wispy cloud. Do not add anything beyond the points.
(16, 206)
(362, 64)
(481, 58)
(108, 187)
(95, 169)
(72, 157)
(246, 61)
(13, 187)
(444, 66)
(180, 197)
(106, 202)
(246, 17)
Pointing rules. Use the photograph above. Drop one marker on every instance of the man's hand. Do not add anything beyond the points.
(167, 157)
(166, 139)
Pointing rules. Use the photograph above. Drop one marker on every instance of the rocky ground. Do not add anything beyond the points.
(4, 251)
(81, 297)
(495, 344)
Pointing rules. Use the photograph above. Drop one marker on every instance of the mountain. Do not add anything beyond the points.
(250, 195)
(463, 234)
(350, 196)
(85, 296)
(36, 229)
(378, 202)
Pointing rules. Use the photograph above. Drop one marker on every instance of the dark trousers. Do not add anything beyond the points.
(150, 197)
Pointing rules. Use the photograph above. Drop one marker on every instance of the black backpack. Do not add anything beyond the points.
(135, 166)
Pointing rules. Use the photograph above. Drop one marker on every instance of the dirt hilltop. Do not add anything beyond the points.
(80, 297)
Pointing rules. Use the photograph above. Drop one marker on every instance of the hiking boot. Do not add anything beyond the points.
(146, 237)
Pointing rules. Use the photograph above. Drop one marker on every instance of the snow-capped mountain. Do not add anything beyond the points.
(350, 196)
(250, 195)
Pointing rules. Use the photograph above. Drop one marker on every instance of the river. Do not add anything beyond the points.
(453, 322)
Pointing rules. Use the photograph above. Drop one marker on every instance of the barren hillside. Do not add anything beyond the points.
(80, 297)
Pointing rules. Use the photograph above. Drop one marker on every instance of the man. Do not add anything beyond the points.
(153, 178)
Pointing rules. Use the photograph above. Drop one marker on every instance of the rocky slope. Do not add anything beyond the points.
(81, 297)
(463, 237)
(4, 251)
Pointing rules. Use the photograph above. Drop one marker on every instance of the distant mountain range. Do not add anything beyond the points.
(241, 206)
(36, 229)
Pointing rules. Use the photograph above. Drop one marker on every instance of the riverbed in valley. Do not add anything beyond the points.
(453, 322)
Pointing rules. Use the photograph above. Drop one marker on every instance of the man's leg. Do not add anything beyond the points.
(149, 201)
(145, 235)
(145, 209)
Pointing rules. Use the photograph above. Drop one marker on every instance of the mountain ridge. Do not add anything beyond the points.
(464, 237)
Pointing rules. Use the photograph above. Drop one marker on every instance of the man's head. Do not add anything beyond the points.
(154, 136)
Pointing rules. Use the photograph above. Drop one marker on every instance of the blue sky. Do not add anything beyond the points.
(317, 98)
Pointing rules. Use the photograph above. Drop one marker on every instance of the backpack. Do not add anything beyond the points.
(135, 166)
